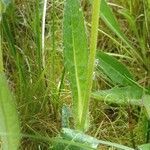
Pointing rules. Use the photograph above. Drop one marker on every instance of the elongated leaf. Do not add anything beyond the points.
(137, 85)
(75, 53)
(131, 20)
(116, 71)
(111, 21)
(3, 6)
(6, 2)
(92, 142)
(146, 103)
(9, 125)
(144, 147)
(9, 36)
(125, 95)
(79, 137)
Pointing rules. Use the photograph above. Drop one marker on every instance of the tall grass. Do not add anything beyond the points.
(95, 92)
(1, 53)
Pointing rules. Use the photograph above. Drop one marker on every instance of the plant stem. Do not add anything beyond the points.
(1, 53)
(37, 30)
(43, 33)
(91, 61)
(53, 43)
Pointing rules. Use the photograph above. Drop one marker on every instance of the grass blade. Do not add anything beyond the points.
(109, 18)
(9, 37)
(37, 35)
(75, 54)
(9, 125)
(3, 6)
(17, 57)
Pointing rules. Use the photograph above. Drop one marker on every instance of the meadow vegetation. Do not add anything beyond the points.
(74, 74)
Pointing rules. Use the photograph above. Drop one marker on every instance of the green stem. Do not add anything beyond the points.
(43, 33)
(53, 42)
(1, 53)
(91, 61)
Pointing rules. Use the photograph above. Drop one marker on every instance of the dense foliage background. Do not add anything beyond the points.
(40, 81)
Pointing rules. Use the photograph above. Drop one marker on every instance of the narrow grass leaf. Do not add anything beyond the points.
(3, 6)
(37, 34)
(131, 20)
(9, 125)
(109, 18)
(115, 70)
(75, 53)
(6, 2)
(9, 36)
(12, 47)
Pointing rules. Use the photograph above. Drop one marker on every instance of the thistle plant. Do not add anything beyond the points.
(35, 70)
(79, 61)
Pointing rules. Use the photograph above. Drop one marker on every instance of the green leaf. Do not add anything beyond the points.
(123, 95)
(146, 103)
(109, 18)
(3, 6)
(116, 71)
(79, 137)
(6, 2)
(131, 20)
(75, 54)
(137, 85)
(9, 124)
(66, 114)
(9, 36)
(91, 62)
(89, 141)
(1, 54)
(144, 147)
